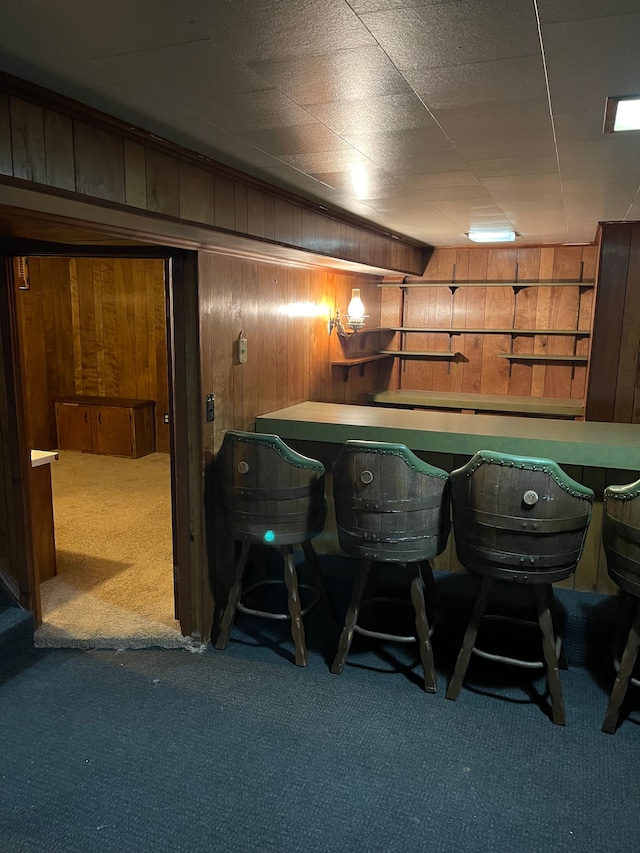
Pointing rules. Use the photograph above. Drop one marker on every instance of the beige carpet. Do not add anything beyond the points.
(114, 587)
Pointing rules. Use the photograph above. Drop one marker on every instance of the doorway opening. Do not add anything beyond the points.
(75, 334)
(92, 341)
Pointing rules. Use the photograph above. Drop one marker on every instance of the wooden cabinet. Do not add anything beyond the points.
(109, 425)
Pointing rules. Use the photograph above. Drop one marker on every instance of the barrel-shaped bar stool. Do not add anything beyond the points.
(521, 520)
(621, 539)
(271, 495)
(393, 508)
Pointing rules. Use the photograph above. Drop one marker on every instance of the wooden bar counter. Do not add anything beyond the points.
(596, 454)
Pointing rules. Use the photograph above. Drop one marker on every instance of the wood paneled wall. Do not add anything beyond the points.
(94, 326)
(613, 392)
(50, 140)
(289, 356)
(479, 369)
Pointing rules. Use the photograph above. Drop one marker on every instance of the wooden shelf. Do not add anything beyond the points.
(517, 284)
(408, 353)
(359, 361)
(582, 333)
(515, 356)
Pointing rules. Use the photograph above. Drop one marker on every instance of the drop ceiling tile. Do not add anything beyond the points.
(398, 205)
(327, 161)
(506, 117)
(533, 189)
(299, 139)
(535, 165)
(431, 36)
(448, 87)
(454, 193)
(609, 156)
(463, 178)
(345, 75)
(271, 30)
(556, 11)
(396, 145)
(472, 214)
(248, 111)
(364, 6)
(495, 146)
(594, 44)
(388, 112)
(617, 192)
(375, 183)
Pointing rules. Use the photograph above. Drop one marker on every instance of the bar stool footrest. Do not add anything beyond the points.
(396, 638)
(524, 664)
(270, 614)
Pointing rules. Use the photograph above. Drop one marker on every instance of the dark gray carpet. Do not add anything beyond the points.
(240, 751)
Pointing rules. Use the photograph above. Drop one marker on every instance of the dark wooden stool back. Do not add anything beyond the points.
(621, 539)
(391, 507)
(271, 495)
(518, 518)
(523, 520)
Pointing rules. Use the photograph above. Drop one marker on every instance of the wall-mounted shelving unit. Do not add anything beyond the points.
(513, 331)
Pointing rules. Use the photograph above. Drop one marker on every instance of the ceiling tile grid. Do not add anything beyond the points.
(427, 117)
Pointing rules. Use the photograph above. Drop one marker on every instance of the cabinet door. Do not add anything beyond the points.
(73, 422)
(112, 431)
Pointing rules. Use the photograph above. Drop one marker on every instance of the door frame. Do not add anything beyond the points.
(193, 598)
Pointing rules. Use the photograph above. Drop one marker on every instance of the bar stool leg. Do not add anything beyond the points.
(233, 598)
(295, 611)
(549, 649)
(422, 631)
(433, 595)
(562, 657)
(346, 637)
(312, 561)
(623, 677)
(469, 640)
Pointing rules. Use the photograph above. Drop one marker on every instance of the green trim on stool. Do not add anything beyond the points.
(394, 449)
(277, 444)
(548, 466)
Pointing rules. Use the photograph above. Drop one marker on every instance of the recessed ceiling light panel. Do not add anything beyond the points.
(622, 113)
(501, 235)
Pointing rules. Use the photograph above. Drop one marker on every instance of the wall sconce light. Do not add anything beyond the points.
(355, 316)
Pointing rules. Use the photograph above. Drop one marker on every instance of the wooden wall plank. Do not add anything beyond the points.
(27, 141)
(196, 193)
(135, 174)
(225, 200)
(163, 183)
(99, 163)
(6, 155)
(608, 323)
(628, 375)
(283, 222)
(59, 153)
(240, 203)
(110, 328)
(251, 326)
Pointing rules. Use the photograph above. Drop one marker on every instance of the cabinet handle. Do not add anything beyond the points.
(86, 416)
(99, 417)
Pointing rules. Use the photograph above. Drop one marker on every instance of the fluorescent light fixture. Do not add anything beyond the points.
(622, 113)
(501, 235)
